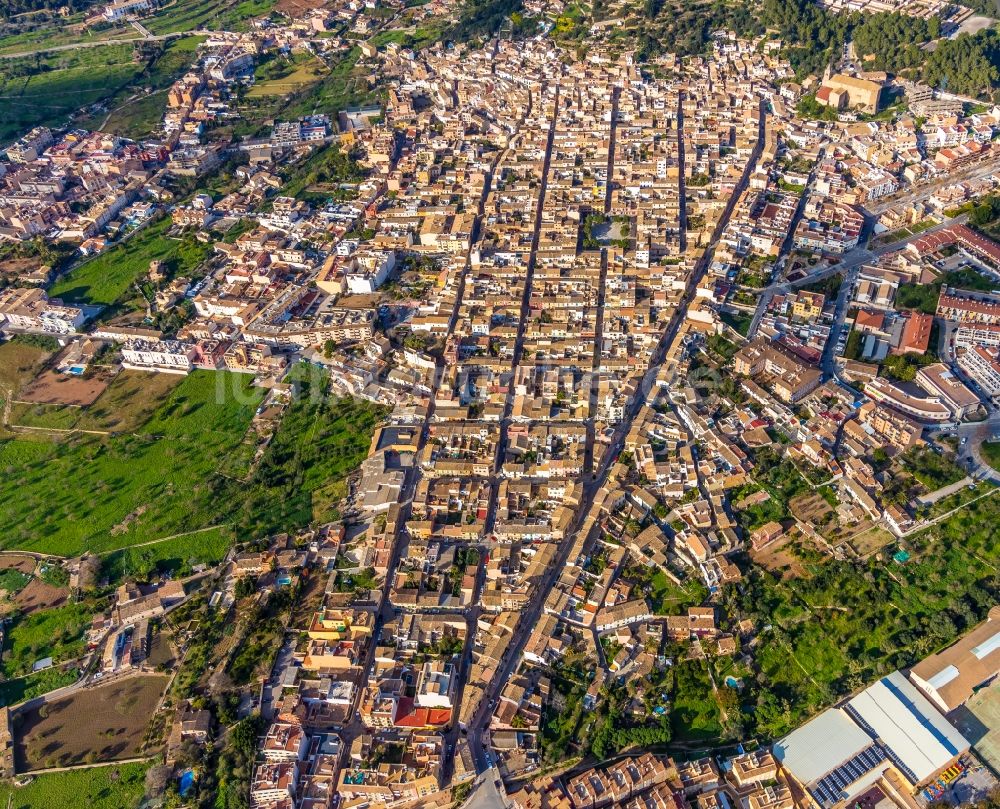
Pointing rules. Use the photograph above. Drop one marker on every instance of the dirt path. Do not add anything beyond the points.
(168, 538)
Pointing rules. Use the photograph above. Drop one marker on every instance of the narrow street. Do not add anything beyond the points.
(529, 618)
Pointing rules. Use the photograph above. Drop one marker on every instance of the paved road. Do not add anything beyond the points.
(480, 721)
(486, 794)
(971, 436)
(922, 192)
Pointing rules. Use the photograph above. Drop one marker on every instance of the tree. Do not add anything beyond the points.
(245, 586)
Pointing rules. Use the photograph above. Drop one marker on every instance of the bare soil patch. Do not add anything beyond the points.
(161, 651)
(38, 595)
(94, 724)
(19, 266)
(53, 387)
(24, 564)
(871, 539)
(779, 558)
(298, 8)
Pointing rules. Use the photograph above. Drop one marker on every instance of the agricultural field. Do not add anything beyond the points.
(70, 31)
(125, 404)
(177, 556)
(193, 15)
(106, 279)
(136, 110)
(114, 787)
(283, 76)
(128, 489)
(24, 592)
(34, 685)
(66, 82)
(94, 724)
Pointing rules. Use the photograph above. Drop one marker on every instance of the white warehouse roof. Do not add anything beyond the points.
(911, 730)
(821, 745)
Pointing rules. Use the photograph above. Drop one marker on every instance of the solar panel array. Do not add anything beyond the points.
(831, 786)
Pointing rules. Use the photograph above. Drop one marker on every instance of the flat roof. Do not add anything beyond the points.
(821, 745)
(908, 726)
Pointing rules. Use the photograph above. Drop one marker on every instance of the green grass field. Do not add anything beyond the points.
(320, 441)
(192, 15)
(106, 279)
(34, 685)
(139, 118)
(132, 488)
(55, 633)
(136, 110)
(345, 85)
(128, 402)
(177, 555)
(19, 363)
(279, 78)
(118, 786)
(66, 82)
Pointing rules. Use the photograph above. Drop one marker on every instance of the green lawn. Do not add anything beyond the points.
(56, 633)
(119, 786)
(106, 279)
(990, 450)
(128, 489)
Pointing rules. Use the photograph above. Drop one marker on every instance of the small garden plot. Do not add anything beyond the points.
(55, 633)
